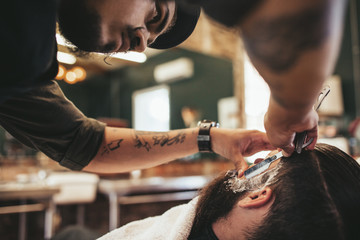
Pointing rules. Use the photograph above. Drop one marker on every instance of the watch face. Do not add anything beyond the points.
(212, 123)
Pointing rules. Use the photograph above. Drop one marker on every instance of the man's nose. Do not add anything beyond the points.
(142, 39)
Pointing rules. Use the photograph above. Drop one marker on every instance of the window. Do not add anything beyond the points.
(151, 109)
(257, 95)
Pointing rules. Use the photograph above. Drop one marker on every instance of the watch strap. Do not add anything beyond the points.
(203, 139)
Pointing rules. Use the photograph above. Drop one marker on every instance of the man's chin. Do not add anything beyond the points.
(82, 50)
(79, 52)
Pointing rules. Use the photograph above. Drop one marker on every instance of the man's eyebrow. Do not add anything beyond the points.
(162, 25)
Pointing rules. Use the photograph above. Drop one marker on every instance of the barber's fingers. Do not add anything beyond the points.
(263, 144)
(288, 150)
(258, 141)
(313, 133)
(282, 139)
(240, 164)
(311, 129)
(312, 145)
(310, 134)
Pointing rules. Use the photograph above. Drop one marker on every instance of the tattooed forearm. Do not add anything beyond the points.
(280, 41)
(113, 145)
(167, 140)
(142, 143)
(158, 138)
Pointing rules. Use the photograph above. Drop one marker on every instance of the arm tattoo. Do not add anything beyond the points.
(141, 142)
(166, 140)
(113, 145)
(158, 138)
(279, 42)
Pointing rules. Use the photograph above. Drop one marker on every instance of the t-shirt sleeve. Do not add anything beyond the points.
(46, 120)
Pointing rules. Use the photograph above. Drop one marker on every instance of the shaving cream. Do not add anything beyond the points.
(260, 181)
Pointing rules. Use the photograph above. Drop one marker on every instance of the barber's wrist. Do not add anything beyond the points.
(204, 138)
(217, 139)
(285, 116)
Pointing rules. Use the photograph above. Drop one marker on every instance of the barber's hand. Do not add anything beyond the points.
(237, 144)
(281, 129)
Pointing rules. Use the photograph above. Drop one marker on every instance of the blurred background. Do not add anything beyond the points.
(207, 77)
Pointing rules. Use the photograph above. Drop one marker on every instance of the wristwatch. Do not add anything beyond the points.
(203, 139)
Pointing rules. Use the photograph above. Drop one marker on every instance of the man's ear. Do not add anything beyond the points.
(256, 199)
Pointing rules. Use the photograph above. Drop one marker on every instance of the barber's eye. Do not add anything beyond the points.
(157, 15)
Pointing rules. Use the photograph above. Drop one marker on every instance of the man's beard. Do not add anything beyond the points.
(216, 200)
(80, 25)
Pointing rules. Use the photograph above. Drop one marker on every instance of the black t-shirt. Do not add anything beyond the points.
(28, 45)
(47, 121)
(32, 107)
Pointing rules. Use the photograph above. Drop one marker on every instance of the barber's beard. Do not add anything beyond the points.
(80, 25)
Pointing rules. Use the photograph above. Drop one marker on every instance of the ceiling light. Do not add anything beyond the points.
(66, 58)
(130, 56)
(175, 70)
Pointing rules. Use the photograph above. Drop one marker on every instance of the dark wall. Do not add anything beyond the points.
(110, 95)
(344, 68)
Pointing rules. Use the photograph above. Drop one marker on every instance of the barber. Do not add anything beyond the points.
(35, 111)
(294, 46)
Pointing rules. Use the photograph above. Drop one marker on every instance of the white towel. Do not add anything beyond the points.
(174, 224)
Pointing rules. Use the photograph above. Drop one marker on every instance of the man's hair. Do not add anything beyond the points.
(317, 196)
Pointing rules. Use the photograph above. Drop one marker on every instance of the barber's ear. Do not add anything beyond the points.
(256, 199)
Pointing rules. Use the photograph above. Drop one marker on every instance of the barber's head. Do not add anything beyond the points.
(314, 195)
(121, 25)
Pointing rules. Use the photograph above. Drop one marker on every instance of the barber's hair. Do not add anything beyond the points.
(317, 196)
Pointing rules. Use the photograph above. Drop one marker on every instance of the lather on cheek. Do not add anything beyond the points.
(260, 181)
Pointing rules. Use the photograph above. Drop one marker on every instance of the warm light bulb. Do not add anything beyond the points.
(80, 73)
(130, 56)
(61, 73)
(70, 77)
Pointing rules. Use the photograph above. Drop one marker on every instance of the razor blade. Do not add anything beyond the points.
(262, 166)
(301, 137)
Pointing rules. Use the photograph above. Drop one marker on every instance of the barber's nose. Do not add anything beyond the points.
(142, 39)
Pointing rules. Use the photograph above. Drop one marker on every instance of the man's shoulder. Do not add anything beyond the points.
(29, 44)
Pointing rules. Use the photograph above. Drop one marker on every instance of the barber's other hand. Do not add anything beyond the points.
(281, 129)
(237, 144)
